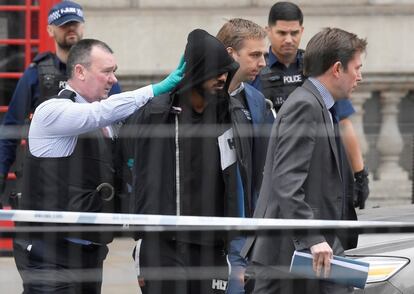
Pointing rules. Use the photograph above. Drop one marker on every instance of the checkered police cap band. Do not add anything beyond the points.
(64, 12)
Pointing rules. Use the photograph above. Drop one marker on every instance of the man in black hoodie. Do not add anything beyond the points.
(182, 147)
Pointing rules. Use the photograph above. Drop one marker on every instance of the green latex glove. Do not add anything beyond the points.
(171, 81)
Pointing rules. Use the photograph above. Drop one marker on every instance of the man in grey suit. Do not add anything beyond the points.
(307, 175)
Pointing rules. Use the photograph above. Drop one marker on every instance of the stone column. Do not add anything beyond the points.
(358, 100)
(390, 142)
(393, 184)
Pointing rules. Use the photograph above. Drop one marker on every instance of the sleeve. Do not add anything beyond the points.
(62, 117)
(344, 108)
(19, 108)
(297, 134)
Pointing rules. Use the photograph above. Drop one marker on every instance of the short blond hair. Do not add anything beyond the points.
(236, 30)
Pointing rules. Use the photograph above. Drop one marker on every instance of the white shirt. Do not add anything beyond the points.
(57, 123)
(238, 90)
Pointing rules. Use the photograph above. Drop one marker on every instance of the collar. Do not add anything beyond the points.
(78, 97)
(238, 90)
(272, 59)
(326, 96)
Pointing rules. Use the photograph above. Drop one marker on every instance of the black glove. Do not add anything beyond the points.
(2, 187)
(361, 189)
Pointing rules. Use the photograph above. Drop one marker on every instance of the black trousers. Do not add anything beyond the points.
(169, 266)
(59, 266)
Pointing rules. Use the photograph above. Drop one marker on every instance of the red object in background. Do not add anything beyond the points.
(46, 43)
(33, 26)
(6, 245)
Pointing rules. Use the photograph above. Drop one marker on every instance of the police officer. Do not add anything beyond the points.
(284, 73)
(45, 77)
(69, 167)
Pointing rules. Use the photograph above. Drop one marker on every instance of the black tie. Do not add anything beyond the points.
(336, 131)
(339, 149)
(334, 115)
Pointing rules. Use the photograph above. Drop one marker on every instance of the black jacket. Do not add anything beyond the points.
(277, 83)
(150, 138)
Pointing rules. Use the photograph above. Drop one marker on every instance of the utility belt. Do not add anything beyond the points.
(105, 191)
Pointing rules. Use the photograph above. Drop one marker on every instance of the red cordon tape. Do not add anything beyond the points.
(6, 244)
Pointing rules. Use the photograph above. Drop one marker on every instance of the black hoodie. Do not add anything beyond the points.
(205, 57)
(156, 176)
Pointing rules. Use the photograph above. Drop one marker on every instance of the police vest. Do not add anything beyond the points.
(83, 181)
(277, 84)
(51, 78)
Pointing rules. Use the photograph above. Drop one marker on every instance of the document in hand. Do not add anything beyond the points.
(344, 270)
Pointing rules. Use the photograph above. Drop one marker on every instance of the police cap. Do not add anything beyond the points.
(64, 12)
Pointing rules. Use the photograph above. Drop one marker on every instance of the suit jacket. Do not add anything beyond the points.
(303, 179)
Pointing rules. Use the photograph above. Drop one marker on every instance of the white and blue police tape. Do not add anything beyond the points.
(206, 223)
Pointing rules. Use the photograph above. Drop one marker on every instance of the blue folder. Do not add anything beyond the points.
(344, 270)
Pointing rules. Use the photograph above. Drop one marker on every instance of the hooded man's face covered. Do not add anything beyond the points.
(214, 85)
(213, 90)
(209, 67)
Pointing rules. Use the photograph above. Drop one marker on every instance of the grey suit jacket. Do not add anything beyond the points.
(303, 179)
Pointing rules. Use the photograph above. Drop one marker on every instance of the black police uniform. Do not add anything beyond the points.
(45, 77)
(276, 81)
(51, 78)
(82, 182)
